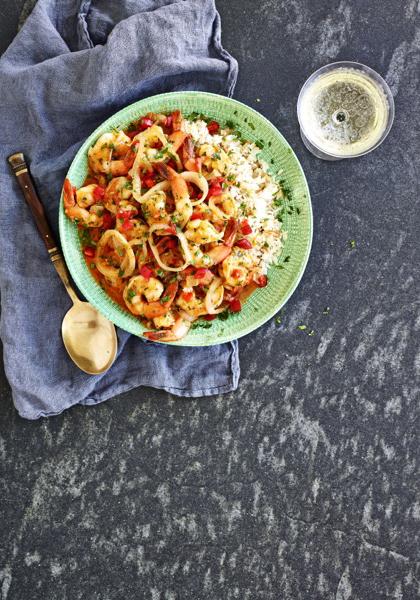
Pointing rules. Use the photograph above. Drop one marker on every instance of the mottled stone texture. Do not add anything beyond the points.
(302, 485)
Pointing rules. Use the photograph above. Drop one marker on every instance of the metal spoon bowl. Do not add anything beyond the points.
(90, 339)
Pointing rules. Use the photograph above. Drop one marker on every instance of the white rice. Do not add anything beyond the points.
(252, 187)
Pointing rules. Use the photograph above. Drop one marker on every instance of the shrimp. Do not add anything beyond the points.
(190, 162)
(148, 298)
(154, 208)
(89, 218)
(218, 253)
(132, 229)
(117, 190)
(183, 206)
(179, 330)
(202, 232)
(85, 197)
(177, 120)
(237, 268)
(188, 301)
(101, 153)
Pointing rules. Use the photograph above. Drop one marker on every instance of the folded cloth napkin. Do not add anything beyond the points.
(72, 65)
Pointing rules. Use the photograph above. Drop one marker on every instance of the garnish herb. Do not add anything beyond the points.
(352, 244)
(302, 327)
(326, 310)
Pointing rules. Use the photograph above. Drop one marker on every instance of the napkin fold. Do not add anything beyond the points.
(73, 64)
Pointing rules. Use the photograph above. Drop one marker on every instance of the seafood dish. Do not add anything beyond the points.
(177, 219)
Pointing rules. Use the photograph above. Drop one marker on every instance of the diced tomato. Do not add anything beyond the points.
(89, 251)
(98, 192)
(126, 214)
(187, 296)
(127, 225)
(215, 187)
(196, 215)
(149, 181)
(236, 273)
(209, 317)
(171, 244)
(215, 190)
(244, 244)
(146, 272)
(168, 121)
(157, 145)
(235, 305)
(261, 281)
(132, 134)
(200, 273)
(107, 221)
(213, 127)
(171, 230)
(245, 227)
(145, 123)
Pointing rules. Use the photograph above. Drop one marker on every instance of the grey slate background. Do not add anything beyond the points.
(304, 483)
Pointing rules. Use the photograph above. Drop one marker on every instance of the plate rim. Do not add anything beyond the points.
(221, 339)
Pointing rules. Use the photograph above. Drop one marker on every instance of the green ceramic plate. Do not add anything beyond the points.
(265, 302)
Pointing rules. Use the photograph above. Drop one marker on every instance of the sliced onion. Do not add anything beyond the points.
(211, 302)
(151, 133)
(162, 186)
(140, 242)
(184, 246)
(198, 180)
(127, 265)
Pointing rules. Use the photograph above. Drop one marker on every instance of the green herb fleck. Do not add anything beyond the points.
(326, 310)
(164, 299)
(121, 273)
(260, 144)
(224, 315)
(92, 265)
(352, 244)
(130, 295)
(251, 125)
(302, 327)
(287, 259)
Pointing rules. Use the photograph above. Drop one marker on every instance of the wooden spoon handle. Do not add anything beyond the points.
(20, 169)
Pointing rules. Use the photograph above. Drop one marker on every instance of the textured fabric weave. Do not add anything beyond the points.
(72, 65)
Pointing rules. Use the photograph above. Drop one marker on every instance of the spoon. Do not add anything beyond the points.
(88, 337)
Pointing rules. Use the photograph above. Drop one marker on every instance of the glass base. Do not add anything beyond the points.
(316, 151)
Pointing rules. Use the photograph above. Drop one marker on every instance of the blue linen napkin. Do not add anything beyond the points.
(73, 64)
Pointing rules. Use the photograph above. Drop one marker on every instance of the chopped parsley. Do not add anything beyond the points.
(326, 310)
(201, 324)
(230, 124)
(260, 144)
(352, 244)
(121, 273)
(224, 315)
(287, 259)
(130, 295)
(302, 327)
(216, 156)
(164, 299)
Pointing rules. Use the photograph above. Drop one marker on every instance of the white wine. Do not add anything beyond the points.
(344, 111)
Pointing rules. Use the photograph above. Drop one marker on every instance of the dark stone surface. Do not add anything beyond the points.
(303, 484)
